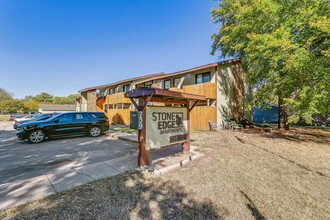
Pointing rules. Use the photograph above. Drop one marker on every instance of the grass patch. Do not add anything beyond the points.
(4, 117)
(124, 129)
(127, 196)
(278, 175)
(311, 127)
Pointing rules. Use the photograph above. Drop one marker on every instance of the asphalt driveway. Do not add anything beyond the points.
(29, 171)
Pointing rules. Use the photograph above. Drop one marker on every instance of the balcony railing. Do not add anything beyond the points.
(175, 89)
(117, 99)
(206, 89)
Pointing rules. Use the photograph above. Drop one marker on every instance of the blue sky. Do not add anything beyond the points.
(62, 46)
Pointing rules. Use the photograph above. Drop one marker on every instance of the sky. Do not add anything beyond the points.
(62, 46)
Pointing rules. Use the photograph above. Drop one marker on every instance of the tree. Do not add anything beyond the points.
(28, 98)
(43, 97)
(30, 106)
(284, 49)
(4, 95)
(70, 99)
(10, 106)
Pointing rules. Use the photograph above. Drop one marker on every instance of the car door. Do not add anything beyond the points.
(63, 125)
(81, 123)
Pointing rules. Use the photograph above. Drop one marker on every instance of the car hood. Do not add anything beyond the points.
(29, 123)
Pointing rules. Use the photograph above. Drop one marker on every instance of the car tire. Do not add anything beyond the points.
(95, 131)
(36, 136)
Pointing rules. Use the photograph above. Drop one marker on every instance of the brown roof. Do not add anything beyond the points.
(147, 78)
(55, 107)
(190, 70)
(120, 82)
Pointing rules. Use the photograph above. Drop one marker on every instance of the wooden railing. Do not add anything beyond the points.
(118, 116)
(175, 89)
(117, 99)
(206, 89)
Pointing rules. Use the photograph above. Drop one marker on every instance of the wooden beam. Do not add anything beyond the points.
(146, 100)
(144, 154)
(175, 101)
(186, 144)
(141, 92)
(134, 103)
(195, 103)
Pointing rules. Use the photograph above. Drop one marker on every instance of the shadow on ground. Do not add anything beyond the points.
(21, 160)
(295, 134)
(130, 195)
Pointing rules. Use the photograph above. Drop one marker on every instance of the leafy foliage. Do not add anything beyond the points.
(71, 99)
(43, 97)
(4, 95)
(30, 106)
(10, 106)
(284, 48)
(30, 103)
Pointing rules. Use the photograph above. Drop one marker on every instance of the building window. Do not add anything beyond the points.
(176, 82)
(102, 94)
(167, 84)
(203, 78)
(126, 88)
(148, 85)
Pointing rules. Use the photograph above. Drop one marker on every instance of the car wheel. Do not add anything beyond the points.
(95, 131)
(36, 136)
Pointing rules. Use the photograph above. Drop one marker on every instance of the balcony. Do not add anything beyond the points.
(206, 89)
(117, 98)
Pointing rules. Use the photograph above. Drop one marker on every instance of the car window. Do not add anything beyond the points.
(99, 115)
(65, 118)
(80, 117)
(37, 117)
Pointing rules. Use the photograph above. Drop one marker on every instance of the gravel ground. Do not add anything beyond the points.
(278, 175)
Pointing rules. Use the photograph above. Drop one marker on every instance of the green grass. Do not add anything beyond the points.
(4, 117)
(241, 176)
(124, 129)
(311, 127)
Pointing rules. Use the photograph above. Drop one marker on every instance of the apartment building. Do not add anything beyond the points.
(109, 98)
(222, 83)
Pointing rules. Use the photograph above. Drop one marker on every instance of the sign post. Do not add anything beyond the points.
(162, 126)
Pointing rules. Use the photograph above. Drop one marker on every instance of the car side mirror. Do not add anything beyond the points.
(56, 120)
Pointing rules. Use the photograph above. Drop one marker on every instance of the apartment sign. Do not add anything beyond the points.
(140, 120)
(165, 126)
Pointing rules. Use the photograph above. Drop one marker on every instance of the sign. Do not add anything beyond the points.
(165, 126)
(140, 120)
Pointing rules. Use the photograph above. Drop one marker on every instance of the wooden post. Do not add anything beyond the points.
(186, 144)
(144, 154)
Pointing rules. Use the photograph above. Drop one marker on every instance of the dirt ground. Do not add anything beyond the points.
(251, 175)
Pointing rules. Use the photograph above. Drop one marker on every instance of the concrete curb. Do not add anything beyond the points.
(178, 164)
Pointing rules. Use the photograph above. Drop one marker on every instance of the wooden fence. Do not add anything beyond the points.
(118, 116)
(200, 117)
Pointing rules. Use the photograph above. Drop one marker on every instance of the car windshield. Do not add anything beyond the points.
(40, 117)
(53, 117)
(44, 117)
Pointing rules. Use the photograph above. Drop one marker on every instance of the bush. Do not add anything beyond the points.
(11, 106)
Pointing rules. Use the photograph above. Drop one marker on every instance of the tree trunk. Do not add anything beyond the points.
(282, 115)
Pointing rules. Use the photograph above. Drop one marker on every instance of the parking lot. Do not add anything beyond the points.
(20, 160)
(32, 171)
(56, 165)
